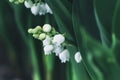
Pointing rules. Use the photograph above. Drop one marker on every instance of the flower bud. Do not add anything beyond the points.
(11, 0)
(28, 4)
(64, 56)
(36, 29)
(48, 49)
(42, 36)
(36, 36)
(20, 1)
(30, 30)
(58, 39)
(78, 57)
(47, 28)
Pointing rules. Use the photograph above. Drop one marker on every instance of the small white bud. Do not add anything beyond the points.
(78, 57)
(48, 9)
(35, 9)
(28, 4)
(42, 36)
(58, 39)
(48, 49)
(64, 56)
(47, 28)
(46, 41)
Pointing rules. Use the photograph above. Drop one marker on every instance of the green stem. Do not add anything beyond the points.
(36, 73)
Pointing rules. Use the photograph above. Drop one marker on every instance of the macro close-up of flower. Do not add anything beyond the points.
(59, 39)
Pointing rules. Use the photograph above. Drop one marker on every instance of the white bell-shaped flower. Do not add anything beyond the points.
(28, 4)
(57, 49)
(48, 9)
(47, 27)
(48, 49)
(47, 41)
(78, 57)
(58, 39)
(35, 8)
(42, 8)
(64, 56)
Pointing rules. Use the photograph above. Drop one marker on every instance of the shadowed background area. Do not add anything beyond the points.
(92, 26)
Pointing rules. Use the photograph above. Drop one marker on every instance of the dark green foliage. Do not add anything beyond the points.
(92, 27)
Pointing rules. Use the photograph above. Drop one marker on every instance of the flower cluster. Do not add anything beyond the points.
(16, 1)
(37, 8)
(53, 42)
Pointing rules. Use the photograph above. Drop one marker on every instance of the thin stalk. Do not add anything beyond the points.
(36, 73)
(48, 60)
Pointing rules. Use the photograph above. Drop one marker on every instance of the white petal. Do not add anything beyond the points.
(78, 57)
(64, 56)
(28, 4)
(58, 39)
(35, 9)
(57, 49)
(47, 41)
(48, 49)
(42, 8)
(48, 9)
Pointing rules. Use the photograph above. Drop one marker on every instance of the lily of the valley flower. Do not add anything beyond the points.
(57, 49)
(48, 9)
(78, 57)
(48, 49)
(58, 39)
(42, 9)
(46, 41)
(47, 28)
(28, 4)
(35, 9)
(53, 42)
(64, 56)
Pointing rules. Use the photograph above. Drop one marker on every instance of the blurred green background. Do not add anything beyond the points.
(92, 25)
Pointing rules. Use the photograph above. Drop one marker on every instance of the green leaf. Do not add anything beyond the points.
(62, 13)
(116, 20)
(77, 24)
(103, 10)
(101, 58)
(78, 69)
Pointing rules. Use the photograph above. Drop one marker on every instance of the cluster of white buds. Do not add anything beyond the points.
(52, 41)
(40, 8)
(16, 1)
